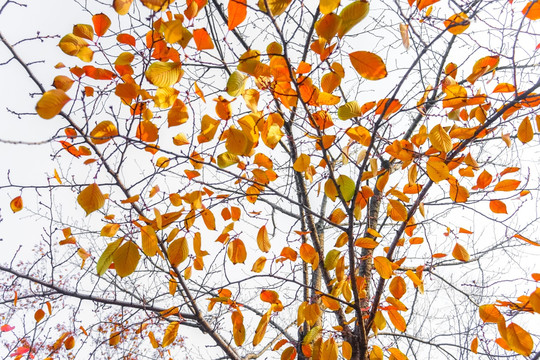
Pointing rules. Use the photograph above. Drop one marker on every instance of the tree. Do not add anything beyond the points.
(290, 179)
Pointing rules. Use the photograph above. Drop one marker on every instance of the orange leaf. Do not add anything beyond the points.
(498, 207)
(202, 39)
(147, 131)
(474, 345)
(397, 320)
(504, 88)
(517, 236)
(489, 313)
(101, 24)
(16, 204)
(519, 340)
(421, 4)
(261, 328)
(460, 253)
(370, 66)
(525, 131)
(236, 251)
(484, 179)
(532, 10)
(397, 287)
(507, 185)
(126, 39)
(39, 314)
(262, 239)
(237, 11)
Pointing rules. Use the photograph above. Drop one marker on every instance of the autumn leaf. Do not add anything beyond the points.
(370, 66)
(122, 6)
(263, 241)
(237, 11)
(91, 198)
(170, 334)
(519, 340)
(261, 328)
(101, 24)
(383, 267)
(126, 258)
(202, 39)
(16, 204)
(498, 207)
(51, 103)
(164, 74)
(106, 258)
(351, 15)
(457, 23)
(460, 253)
(236, 251)
(507, 185)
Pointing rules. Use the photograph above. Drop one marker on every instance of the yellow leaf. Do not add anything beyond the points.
(157, 5)
(91, 198)
(379, 320)
(106, 259)
(277, 7)
(258, 266)
(331, 259)
(351, 15)
(239, 331)
(103, 132)
(122, 6)
(349, 110)
(164, 74)
(72, 44)
(16, 204)
(209, 219)
(261, 328)
(115, 338)
(178, 251)
(437, 170)
(236, 82)
(327, 6)
(519, 340)
(109, 230)
(237, 142)
(366, 243)
(227, 159)
(376, 353)
(262, 239)
(370, 66)
(126, 258)
(383, 267)
(327, 27)
(170, 333)
(51, 103)
(149, 240)
(507, 185)
(525, 131)
(302, 163)
(236, 251)
(440, 139)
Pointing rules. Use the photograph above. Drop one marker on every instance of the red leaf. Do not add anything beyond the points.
(101, 24)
